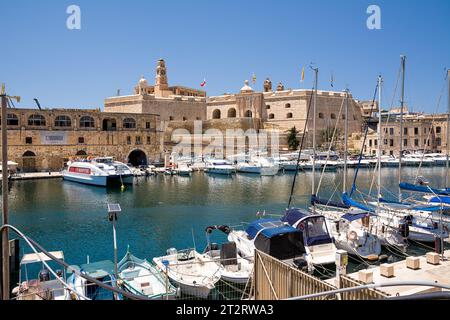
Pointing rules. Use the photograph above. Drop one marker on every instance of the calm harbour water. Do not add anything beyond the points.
(162, 212)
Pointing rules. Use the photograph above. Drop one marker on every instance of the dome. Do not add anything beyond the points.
(143, 82)
(246, 87)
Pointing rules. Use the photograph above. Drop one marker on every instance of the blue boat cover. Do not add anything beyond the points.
(410, 206)
(442, 199)
(270, 228)
(352, 203)
(424, 189)
(355, 216)
(292, 216)
(328, 202)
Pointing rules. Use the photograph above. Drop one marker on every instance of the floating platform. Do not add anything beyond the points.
(37, 175)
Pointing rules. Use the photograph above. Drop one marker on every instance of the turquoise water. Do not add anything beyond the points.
(163, 211)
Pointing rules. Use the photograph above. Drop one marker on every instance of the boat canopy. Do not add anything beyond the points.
(410, 206)
(442, 199)
(269, 228)
(355, 215)
(292, 216)
(39, 257)
(98, 269)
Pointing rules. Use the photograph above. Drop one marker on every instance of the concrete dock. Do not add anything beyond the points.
(36, 175)
(399, 271)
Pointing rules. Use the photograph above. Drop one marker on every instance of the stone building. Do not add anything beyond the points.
(47, 139)
(176, 103)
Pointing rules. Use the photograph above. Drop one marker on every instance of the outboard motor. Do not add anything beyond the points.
(44, 275)
(403, 228)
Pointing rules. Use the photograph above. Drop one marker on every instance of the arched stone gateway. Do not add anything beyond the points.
(29, 161)
(81, 153)
(137, 158)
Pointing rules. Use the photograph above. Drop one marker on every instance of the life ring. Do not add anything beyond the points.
(352, 235)
(301, 226)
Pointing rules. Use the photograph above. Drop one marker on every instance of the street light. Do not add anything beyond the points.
(113, 210)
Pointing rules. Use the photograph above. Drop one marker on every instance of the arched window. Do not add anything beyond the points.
(29, 154)
(81, 153)
(36, 120)
(129, 123)
(289, 115)
(320, 115)
(287, 105)
(232, 113)
(268, 107)
(63, 121)
(12, 120)
(333, 116)
(271, 116)
(216, 114)
(248, 114)
(87, 122)
(109, 124)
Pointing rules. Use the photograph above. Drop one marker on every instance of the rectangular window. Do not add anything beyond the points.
(147, 125)
(391, 153)
(391, 142)
(385, 141)
(391, 131)
(81, 140)
(405, 131)
(375, 142)
(128, 140)
(438, 142)
(405, 142)
(138, 140)
(148, 140)
(29, 140)
(416, 131)
(438, 130)
(416, 142)
(370, 143)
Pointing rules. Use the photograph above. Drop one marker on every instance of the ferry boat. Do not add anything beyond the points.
(99, 172)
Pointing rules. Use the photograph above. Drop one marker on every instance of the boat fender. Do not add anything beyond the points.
(383, 258)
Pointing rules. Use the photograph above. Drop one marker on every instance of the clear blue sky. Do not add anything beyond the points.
(226, 41)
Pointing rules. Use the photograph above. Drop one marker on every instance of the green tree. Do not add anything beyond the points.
(293, 142)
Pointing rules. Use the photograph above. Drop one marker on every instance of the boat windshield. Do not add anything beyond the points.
(317, 231)
(103, 160)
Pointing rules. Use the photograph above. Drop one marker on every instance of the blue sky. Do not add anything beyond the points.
(224, 41)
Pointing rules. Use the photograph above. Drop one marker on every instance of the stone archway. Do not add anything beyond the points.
(29, 161)
(137, 158)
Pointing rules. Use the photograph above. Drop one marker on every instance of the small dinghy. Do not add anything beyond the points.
(141, 278)
(236, 269)
(194, 273)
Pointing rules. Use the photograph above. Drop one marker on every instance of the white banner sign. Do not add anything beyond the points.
(53, 137)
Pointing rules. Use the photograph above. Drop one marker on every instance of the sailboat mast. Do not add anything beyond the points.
(402, 102)
(448, 130)
(344, 182)
(316, 72)
(380, 83)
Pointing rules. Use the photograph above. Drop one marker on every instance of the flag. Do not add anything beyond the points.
(254, 79)
(332, 80)
(303, 74)
(203, 83)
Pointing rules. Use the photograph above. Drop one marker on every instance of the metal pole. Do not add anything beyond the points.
(344, 182)
(402, 102)
(116, 273)
(380, 82)
(5, 239)
(448, 131)
(316, 71)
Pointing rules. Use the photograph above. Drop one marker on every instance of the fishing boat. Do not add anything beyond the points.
(194, 273)
(141, 278)
(102, 271)
(99, 172)
(218, 166)
(44, 287)
(236, 269)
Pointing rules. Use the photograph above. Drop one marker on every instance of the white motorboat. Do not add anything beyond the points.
(99, 172)
(141, 278)
(194, 273)
(236, 269)
(217, 166)
(260, 166)
(44, 287)
(183, 170)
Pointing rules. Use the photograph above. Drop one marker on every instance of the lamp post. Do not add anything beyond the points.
(113, 210)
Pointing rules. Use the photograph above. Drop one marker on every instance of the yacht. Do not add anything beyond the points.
(98, 172)
(217, 166)
(262, 166)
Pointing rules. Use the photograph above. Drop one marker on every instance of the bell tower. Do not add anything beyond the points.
(161, 83)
